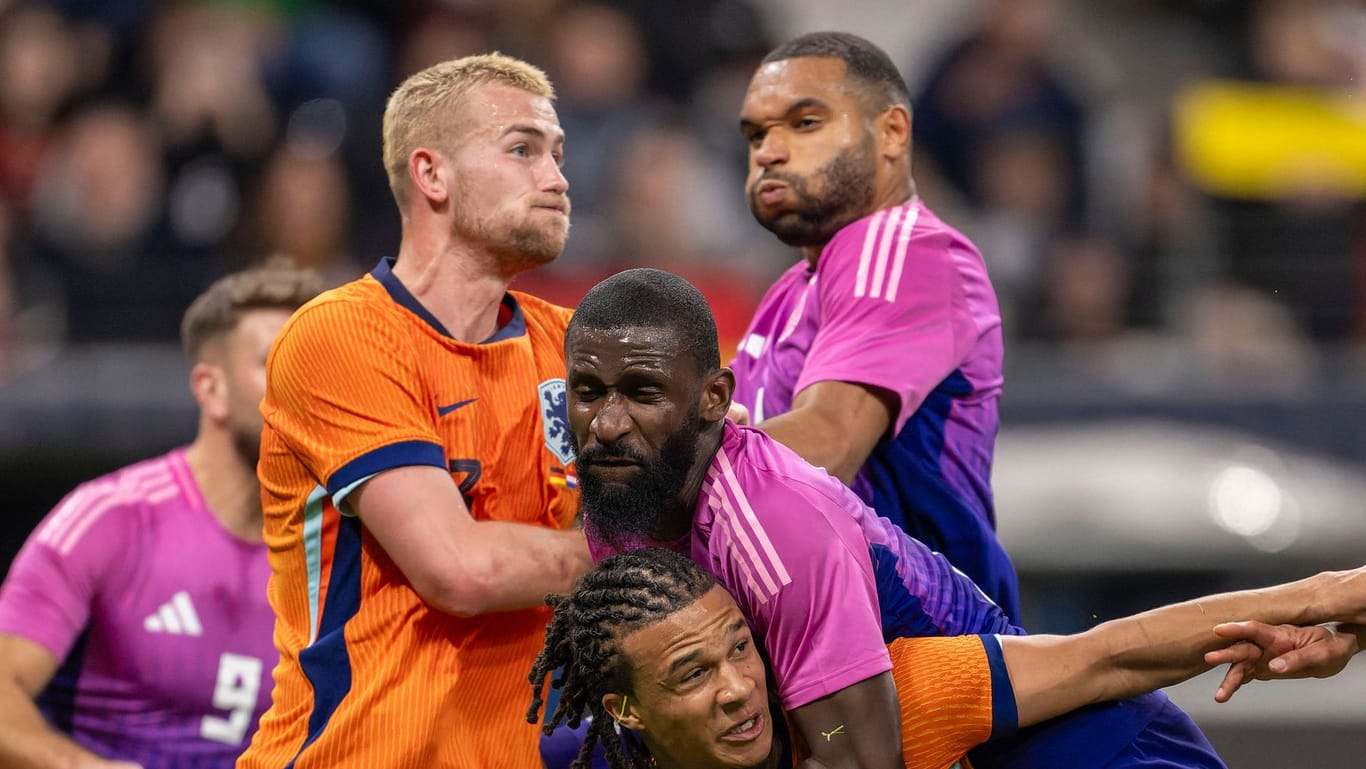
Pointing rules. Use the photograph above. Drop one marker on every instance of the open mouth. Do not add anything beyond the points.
(746, 730)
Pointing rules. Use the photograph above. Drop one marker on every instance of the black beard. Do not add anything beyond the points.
(848, 185)
(619, 515)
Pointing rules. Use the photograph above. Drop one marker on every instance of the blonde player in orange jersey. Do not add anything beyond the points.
(416, 468)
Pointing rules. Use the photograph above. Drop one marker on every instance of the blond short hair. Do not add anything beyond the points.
(277, 285)
(415, 109)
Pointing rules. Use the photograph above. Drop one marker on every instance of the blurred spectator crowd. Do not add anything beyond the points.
(148, 147)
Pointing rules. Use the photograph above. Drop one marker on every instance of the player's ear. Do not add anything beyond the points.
(619, 707)
(893, 128)
(208, 384)
(717, 390)
(425, 174)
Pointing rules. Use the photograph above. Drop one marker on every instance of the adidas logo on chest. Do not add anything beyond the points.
(175, 617)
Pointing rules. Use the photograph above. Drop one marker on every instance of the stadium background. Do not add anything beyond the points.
(1169, 196)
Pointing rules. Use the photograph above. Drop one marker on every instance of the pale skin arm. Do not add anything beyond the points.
(1339, 596)
(834, 425)
(1132, 655)
(455, 563)
(857, 727)
(26, 739)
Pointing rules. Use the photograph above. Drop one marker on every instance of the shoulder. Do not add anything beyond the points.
(770, 492)
(539, 312)
(354, 318)
(120, 500)
(359, 300)
(765, 465)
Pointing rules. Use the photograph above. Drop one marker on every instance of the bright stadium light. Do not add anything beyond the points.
(1248, 501)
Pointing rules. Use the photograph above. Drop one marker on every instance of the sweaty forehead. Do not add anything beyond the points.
(778, 84)
(623, 342)
(495, 107)
(654, 647)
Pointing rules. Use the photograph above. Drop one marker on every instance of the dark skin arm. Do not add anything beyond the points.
(835, 425)
(857, 727)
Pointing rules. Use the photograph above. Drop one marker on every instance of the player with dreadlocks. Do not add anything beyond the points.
(650, 641)
(655, 650)
(832, 592)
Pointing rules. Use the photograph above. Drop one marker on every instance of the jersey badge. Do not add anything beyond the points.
(555, 420)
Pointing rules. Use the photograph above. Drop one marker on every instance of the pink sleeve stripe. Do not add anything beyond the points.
(869, 240)
(742, 566)
(155, 496)
(63, 531)
(794, 319)
(903, 244)
(57, 523)
(753, 539)
(885, 245)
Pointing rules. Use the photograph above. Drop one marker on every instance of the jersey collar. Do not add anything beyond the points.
(511, 321)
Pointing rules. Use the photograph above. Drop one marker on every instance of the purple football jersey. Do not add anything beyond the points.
(158, 613)
(899, 301)
(824, 582)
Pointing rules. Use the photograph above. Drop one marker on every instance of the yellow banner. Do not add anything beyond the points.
(1262, 141)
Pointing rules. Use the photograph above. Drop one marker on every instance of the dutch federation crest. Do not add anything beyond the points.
(555, 420)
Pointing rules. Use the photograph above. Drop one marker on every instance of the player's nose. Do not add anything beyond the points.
(771, 150)
(612, 420)
(735, 686)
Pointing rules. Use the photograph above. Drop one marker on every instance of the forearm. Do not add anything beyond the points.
(818, 439)
(457, 564)
(504, 566)
(1167, 645)
(1336, 596)
(27, 742)
(1132, 655)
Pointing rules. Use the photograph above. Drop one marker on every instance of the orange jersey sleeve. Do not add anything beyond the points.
(345, 381)
(952, 694)
(360, 381)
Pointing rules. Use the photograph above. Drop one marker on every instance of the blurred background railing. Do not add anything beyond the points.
(1169, 196)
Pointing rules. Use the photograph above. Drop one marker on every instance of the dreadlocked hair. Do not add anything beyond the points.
(624, 593)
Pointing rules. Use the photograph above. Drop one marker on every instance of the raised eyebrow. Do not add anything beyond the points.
(736, 626)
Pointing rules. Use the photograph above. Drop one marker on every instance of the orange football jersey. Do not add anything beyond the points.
(948, 702)
(361, 380)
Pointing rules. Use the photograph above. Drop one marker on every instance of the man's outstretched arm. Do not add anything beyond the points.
(1132, 655)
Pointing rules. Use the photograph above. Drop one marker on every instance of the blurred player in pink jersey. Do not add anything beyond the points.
(878, 355)
(134, 625)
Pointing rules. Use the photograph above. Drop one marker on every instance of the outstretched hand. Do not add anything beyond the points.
(1266, 652)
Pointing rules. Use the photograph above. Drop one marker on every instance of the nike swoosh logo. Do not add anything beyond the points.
(442, 411)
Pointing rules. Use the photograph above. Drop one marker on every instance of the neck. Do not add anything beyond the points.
(228, 483)
(891, 196)
(459, 285)
(685, 504)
